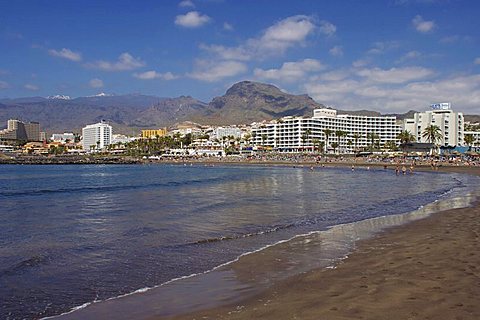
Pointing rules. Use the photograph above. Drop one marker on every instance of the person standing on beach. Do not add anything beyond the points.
(404, 169)
(397, 169)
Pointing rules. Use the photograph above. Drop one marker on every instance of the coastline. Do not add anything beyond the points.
(428, 269)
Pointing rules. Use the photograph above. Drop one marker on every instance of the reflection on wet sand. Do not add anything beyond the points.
(255, 272)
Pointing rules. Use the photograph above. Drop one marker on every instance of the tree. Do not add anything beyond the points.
(372, 136)
(327, 133)
(433, 134)
(349, 143)
(340, 134)
(264, 137)
(305, 136)
(391, 145)
(469, 139)
(316, 144)
(405, 137)
(334, 146)
(356, 136)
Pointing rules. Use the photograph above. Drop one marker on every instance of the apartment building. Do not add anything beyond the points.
(450, 123)
(296, 134)
(20, 131)
(96, 136)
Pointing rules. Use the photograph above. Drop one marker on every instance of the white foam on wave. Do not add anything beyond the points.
(145, 289)
(334, 266)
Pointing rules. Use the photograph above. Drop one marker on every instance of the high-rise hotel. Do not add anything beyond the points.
(450, 123)
(96, 136)
(294, 134)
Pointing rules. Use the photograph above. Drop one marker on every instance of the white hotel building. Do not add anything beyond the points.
(450, 123)
(96, 136)
(294, 134)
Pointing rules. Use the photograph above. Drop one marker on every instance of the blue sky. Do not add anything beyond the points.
(389, 56)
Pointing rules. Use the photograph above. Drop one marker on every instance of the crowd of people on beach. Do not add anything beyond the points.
(402, 164)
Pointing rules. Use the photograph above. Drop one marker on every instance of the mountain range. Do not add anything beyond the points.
(243, 103)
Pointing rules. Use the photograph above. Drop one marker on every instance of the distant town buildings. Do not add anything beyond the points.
(342, 133)
(221, 132)
(450, 123)
(154, 133)
(96, 136)
(63, 137)
(20, 131)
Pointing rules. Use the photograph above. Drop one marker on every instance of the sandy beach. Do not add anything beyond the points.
(429, 269)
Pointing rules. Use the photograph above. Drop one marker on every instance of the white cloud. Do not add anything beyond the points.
(275, 40)
(4, 85)
(476, 61)
(394, 90)
(212, 71)
(31, 87)
(395, 75)
(192, 19)
(334, 75)
(411, 55)
(186, 4)
(228, 53)
(423, 26)
(125, 62)
(96, 83)
(383, 46)
(327, 28)
(286, 33)
(336, 51)
(455, 38)
(66, 54)
(150, 75)
(360, 63)
(227, 26)
(290, 71)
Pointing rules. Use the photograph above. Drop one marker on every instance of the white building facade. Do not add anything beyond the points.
(63, 137)
(96, 136)
(296, 134)
(450, 123)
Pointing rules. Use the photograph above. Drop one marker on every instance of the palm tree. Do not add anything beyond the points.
(405, 137)
(327, 133)
(469, 139)
(305, 136)
(356, 136)
(432, 133)
(264, 137)
(349, 143)
(372, 136)
(334, 146)
(391, 145)
(321, 145)
(340, 134)
(316, 143)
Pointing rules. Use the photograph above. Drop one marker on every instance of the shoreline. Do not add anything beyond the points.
(428, 270)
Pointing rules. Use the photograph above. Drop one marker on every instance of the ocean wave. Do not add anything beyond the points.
(103, 188)
(24, 265)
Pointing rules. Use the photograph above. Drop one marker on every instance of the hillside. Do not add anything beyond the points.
(243, 103)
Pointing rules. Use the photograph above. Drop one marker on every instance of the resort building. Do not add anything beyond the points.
(450, 123)
(346, 133)
(220, 132)
(63, 137)
(476, 139)
(154, 133)
(96, 136)
(20, 131)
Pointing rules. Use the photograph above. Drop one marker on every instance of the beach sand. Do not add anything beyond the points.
(428, 269)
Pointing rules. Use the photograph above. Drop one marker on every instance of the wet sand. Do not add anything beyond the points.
(429, 269)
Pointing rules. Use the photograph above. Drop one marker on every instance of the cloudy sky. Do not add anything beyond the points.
(385, 55)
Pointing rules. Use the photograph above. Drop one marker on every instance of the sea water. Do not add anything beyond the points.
(71, 235)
